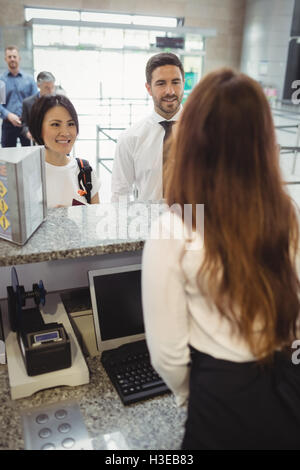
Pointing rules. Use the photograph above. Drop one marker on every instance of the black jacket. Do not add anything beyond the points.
(26, 109)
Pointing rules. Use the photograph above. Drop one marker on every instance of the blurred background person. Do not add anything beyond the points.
(221, 313)
(59, 90)
(54, 124)
(46, 84)
(19, 85)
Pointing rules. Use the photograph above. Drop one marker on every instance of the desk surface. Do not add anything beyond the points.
(74, 232)
(155, 424)
(79, 231)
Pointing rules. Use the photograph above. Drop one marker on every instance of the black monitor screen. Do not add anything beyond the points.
(119, 304)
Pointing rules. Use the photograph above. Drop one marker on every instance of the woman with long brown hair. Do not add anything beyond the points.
(221, 314)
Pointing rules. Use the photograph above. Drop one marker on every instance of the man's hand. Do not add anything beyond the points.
(29, 136)
(14, 119)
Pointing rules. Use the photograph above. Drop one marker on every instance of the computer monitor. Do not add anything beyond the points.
(117, 305)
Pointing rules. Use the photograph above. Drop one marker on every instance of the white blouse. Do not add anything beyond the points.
(62, 184)
(177, 315)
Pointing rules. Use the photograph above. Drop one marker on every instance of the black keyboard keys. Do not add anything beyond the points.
(131, 373)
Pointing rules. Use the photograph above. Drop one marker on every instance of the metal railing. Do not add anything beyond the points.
(291, 149)
(102, 131)
(107, 111)
(114, 114)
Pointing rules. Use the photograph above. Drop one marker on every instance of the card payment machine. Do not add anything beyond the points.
(45, 347)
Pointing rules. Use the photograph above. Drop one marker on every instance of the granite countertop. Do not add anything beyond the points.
(78, 231)
(154, 424)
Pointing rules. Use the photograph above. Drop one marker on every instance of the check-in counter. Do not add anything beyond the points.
(68, 244)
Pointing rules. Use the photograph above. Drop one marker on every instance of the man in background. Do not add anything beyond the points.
(19, 85)
(46, 84)
(139, 152)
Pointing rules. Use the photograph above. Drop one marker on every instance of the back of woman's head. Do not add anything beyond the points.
(225, 143)
(224, 155)
(39, 110)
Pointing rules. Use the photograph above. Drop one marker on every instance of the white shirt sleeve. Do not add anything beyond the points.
(166, 314)
(123, 173)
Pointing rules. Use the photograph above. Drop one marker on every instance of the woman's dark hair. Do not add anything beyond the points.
(224, 155)
(40, 108)
(161, 59)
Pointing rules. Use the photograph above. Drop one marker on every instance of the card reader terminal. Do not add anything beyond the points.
(38, 338)
(45, 350)
(44, 347)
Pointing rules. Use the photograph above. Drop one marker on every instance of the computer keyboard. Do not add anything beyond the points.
(131, 373)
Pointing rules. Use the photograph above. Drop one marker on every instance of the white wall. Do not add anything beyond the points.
(266, 39)
(226, 16)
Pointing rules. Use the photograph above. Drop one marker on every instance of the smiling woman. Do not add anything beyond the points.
(54, 124)
(59, 133)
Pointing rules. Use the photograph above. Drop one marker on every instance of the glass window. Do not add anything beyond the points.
(76, 15)
(91, 36)
(53, 35)
(154, 35)
(78, 72)
(110, 74)
(136, 38)
(194, 42)
(193, 72)
(129, 19)
(46, 35)
(134, 74)
(94, 72)
(51, 14)
(113, 38)
(154, 21)
(70, 35)
(105, 17)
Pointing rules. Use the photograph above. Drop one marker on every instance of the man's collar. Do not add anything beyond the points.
(12, 75)
(158, 118)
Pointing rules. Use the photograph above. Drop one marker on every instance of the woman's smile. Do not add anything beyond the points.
(58, 131)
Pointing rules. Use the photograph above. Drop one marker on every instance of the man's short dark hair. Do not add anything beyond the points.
(40, 108)
(158, 60)
(45, 77)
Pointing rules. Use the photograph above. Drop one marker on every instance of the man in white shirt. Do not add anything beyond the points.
(139, 152)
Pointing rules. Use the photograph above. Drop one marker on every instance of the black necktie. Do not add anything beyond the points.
(167, 125)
